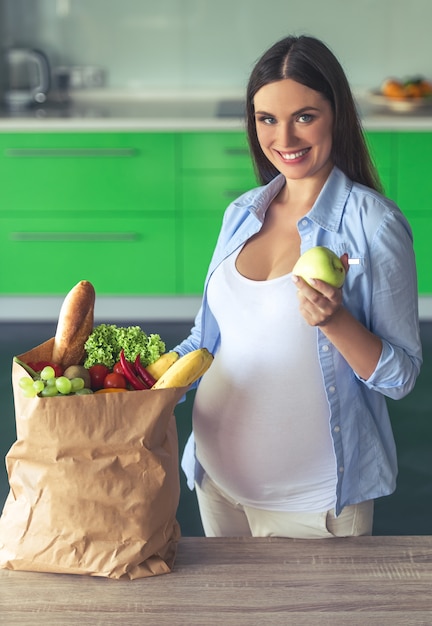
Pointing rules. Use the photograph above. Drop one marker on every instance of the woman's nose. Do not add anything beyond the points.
(286, 135)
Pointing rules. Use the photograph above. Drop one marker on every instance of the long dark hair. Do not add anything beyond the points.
(309, 62)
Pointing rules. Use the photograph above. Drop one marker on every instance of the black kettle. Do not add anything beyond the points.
(27, 77)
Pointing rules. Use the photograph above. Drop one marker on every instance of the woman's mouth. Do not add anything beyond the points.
(292, 156)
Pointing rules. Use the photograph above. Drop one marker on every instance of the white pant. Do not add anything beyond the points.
(222, 516)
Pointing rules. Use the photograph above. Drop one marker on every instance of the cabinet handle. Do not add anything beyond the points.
(71, 152)
(74, 237)
(237, 151)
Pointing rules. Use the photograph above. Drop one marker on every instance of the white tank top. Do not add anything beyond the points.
(261, 417)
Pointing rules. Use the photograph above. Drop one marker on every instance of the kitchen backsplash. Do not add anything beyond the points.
(203, 44)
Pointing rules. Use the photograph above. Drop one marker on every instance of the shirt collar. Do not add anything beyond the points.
(258, 200)
(329, 206)
(327, 210)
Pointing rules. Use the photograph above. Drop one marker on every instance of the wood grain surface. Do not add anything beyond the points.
(372, 581)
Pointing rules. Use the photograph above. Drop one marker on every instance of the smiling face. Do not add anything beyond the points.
(294, 129)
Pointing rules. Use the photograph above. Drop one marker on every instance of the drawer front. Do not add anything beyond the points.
(213, 191)
(414, 165)
(199, 238)
(215, 151)
(48, 256)
(382, 146)
(87, 172)
(421, 225)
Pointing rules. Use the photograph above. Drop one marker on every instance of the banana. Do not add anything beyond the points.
(161, 365)
(186, 370)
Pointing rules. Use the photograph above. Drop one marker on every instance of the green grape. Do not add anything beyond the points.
(49, 391)
(77, 384)
(64, 385)
(47, 373)
(38, 385)
(30, 392)
(26, 383)
(84, 392)
(51, 382)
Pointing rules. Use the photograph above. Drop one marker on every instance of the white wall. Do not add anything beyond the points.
(209, 43)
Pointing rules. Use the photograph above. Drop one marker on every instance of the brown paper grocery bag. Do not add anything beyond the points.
(94, 482)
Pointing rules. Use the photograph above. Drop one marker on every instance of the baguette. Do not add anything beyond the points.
(74, 325)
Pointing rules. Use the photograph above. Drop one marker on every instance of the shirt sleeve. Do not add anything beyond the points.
(394, 308)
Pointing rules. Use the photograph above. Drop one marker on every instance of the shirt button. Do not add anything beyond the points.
(305, 222)
(332, 389)
(325, 348)
(341, 470)
(337, 429)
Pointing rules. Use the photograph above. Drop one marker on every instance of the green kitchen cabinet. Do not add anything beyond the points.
(414, 182)
(414, 196)
(199, 234)
(99, 206)
(421, 225)
(403, 159)
(84, 172)
(225, 151)
(139, 212)
(382, 149)
(132, 255)
(215, 168)
(135, 213)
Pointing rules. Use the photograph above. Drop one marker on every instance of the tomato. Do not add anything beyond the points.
(39, 365)
(114, 380)
(98, 373)
(117, 369)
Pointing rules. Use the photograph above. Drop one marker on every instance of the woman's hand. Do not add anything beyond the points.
(321, 305)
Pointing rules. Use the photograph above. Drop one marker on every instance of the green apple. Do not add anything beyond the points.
(320, 263)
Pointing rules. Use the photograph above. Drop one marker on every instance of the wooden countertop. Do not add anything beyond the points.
(372, 581)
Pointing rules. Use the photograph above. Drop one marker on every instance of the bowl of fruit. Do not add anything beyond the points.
(405, 96)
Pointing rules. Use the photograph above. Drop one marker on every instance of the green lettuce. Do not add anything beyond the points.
(107, 340)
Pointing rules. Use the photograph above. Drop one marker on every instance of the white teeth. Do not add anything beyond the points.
(291, 156)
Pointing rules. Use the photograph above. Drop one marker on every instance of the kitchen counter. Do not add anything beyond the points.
(112, 111)
(231, 581)
(179, 308)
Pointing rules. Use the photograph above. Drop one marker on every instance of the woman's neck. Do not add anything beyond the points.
(299, 196)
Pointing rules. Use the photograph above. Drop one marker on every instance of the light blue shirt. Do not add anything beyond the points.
(380, 291)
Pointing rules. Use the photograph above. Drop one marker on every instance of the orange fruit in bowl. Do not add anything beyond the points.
(392, 88)
(413, 90)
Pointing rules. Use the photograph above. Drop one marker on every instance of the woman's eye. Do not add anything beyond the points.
(265, 119)
(304, 118)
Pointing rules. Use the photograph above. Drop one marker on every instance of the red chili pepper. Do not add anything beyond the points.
(129, 373)
(143, 373)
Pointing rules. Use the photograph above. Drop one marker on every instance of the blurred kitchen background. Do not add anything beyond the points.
(202, 44)
(122, 141)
